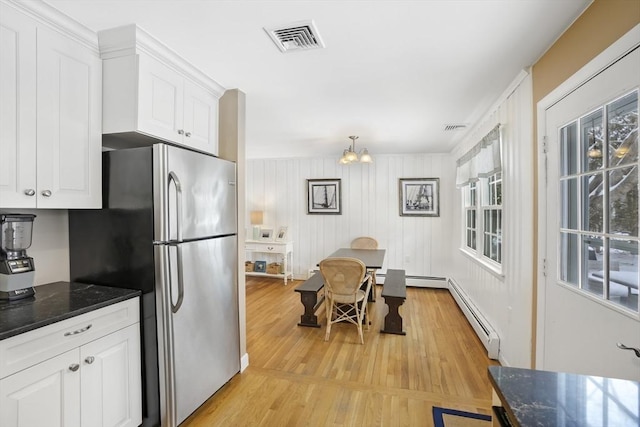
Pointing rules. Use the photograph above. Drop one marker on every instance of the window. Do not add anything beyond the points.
(484, 196)
(598, 207)
(479, 175)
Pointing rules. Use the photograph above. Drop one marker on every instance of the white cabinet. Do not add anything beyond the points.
(150, 92)
(50, 104)
(72, 374)
(261, 250)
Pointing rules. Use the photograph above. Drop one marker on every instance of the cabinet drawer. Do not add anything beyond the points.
(265, 247)
(24, 350)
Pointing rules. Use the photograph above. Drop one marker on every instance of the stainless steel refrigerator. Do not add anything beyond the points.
(168, 228)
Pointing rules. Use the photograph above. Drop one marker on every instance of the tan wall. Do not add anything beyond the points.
(604, 22)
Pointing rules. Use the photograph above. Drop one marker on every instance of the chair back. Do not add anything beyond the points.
(342, 276)
(364, 243)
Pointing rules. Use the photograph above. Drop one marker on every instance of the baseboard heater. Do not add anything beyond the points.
(483, 328)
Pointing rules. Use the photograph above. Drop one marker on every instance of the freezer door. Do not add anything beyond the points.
(194, 195)
(201, 350)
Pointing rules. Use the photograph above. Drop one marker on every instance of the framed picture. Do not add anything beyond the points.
(324, 196)
(419, 196)
(266, 234)
(260, 267)
(282, 234)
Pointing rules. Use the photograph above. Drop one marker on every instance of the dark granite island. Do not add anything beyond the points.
(54, 302)
(541, 398)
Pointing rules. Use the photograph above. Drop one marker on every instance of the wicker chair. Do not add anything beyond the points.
(344, 298)
(367, 243)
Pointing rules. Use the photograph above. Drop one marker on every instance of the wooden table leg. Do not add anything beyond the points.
(393, 320)
(309, 301)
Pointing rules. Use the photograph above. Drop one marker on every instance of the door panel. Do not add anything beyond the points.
(583, 323)
(205, 328)
(200, 118)
(207, 198)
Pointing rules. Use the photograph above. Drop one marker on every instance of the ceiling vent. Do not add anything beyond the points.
(301, 35)
(454, 127)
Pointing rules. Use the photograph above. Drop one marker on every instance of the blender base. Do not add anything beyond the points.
(17, 294)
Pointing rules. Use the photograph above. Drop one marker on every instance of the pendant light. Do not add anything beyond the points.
(350, 154)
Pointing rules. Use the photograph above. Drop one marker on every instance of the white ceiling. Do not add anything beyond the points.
(393, 72)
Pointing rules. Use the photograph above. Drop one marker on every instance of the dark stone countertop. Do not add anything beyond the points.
(543, 398)
(54, 302)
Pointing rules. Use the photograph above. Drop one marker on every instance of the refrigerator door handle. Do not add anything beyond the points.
(175, 307)
(173, 177)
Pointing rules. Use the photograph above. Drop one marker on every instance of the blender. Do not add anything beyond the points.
(17, 272)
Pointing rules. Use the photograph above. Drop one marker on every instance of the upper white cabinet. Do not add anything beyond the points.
(150, 92)
(50, 109)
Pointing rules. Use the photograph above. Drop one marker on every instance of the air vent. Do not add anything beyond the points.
(454, 127)
(301, 35)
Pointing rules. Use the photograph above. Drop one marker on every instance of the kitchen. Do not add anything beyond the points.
(518, 350)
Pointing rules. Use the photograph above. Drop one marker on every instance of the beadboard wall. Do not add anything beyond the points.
(370, 207)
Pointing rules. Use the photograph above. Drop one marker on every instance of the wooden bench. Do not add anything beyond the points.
(309, 298)
(394, 292)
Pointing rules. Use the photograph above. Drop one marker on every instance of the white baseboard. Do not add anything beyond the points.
(244, 362)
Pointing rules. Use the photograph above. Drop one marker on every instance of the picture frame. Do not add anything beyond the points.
(266, 234)
(281, 236)
(260, 267)
(419, 196)
(324, 197)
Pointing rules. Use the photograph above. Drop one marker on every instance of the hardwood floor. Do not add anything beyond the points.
(295, 378)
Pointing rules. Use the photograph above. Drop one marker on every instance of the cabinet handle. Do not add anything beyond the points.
(30, 192)
(180, 131)
(187, 134)
(270, 248)
(46, 193)
(79, 331)
(89, 360)
(74, 367)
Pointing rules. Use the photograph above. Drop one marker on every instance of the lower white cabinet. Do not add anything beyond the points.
(95, 384)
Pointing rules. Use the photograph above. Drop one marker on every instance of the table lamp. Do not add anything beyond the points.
(256, 221)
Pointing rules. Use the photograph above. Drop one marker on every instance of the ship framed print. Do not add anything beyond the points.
(324, 197)
(419, 196)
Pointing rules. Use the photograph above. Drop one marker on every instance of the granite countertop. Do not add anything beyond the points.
(543, 398)
(54, 302)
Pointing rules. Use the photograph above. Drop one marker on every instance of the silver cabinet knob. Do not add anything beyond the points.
(46, 193)
(89, 360)
(30, 192)
(187, 134)
(180, 131)
(74, 367)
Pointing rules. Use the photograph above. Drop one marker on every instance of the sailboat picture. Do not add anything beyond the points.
(419, 197)
(323, 196)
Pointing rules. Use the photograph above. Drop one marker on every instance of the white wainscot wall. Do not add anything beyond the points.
(370, 207)
(506, 301)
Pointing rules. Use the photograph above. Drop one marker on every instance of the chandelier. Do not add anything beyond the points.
(350, 155)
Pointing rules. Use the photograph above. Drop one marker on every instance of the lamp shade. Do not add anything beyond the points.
(256, 217)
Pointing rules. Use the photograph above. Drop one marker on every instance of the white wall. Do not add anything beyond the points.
(505, 301)
(370, 207)
(50, 244)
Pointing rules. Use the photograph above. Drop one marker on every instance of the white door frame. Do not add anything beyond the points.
(618, 49)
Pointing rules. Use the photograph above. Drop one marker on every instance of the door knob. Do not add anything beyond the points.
(89, 360)
(74, 367)
(30, 192)
(46, 193)
(624, 347)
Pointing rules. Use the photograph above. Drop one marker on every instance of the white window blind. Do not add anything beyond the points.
(481, 161)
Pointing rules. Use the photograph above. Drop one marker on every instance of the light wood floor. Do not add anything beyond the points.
(295, 378)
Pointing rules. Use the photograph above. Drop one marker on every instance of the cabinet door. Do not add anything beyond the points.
(17, 109)
(69, 123)
(111, 380)
(200, 118)
(160, 100)
(47, 394)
